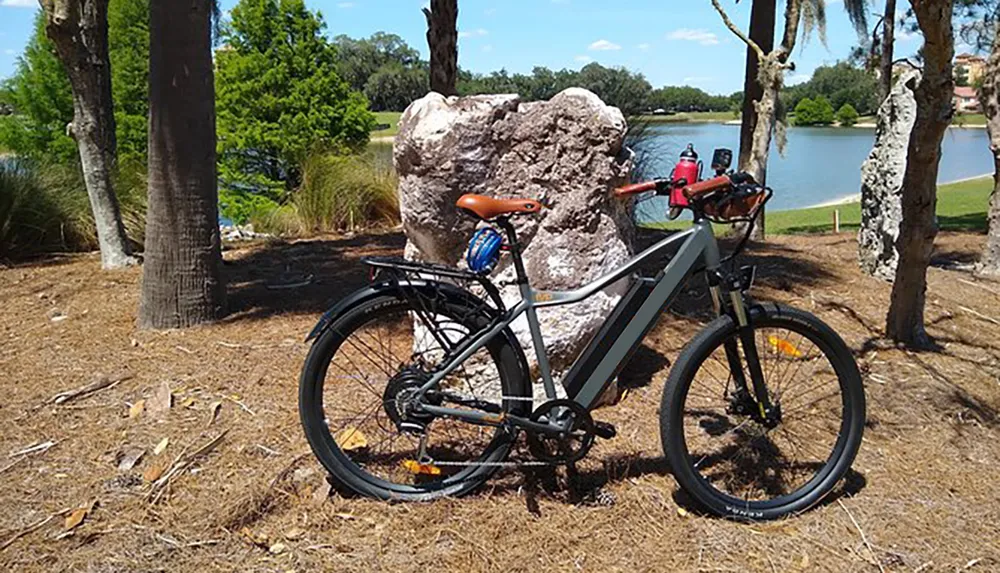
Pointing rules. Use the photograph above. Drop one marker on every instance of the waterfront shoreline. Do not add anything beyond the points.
(856, 197)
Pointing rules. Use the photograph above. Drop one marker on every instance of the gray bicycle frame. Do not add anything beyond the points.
(699, 243)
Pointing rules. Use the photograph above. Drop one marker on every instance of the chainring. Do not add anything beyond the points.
(568, 447)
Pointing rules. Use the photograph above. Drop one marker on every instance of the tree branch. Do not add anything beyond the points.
(739, 33)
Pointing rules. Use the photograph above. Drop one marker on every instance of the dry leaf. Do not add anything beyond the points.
(682, 512)
(214, 407)
(258, 539)
(129, 458)
(77, 516)
(278, 548)
(135, 410)
(188, 402)
(154, 471)
(295, 533)
(161, 446)
(161, 400)
(351, 439)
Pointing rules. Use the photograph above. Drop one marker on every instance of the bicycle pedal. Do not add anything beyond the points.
(605, 430)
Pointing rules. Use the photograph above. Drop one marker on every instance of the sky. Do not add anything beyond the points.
(672, 42)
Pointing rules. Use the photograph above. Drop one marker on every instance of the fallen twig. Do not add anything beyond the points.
(241, 405)
(864, 537)
(33, 527)
(308, 281)
(181, 463)
(27, 453)
(101, 383)
(975, 284)
(980, 315)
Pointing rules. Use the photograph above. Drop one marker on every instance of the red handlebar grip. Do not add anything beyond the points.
(707, 186)
(635, 188)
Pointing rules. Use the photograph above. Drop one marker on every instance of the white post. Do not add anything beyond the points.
(836, 221)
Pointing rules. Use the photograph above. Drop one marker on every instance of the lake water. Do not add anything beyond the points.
(820, 164)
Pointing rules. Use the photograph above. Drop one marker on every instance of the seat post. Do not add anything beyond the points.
(515, 249)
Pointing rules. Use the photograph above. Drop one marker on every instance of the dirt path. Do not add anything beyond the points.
(923, 490)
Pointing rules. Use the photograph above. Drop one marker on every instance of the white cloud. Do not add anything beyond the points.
(345, 5)
(702, 36)
(488, 48)
(644, 47)
(583, 59)
(479, 32)
(20, 3)
(603, 45)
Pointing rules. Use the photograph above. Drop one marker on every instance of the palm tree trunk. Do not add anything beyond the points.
(989, 96)
(888, 48)
(182, 277)
(442, 39)
(79, 30)
(905, 320)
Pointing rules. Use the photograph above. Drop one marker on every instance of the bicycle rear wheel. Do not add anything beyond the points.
(726, 457)
(360, 373)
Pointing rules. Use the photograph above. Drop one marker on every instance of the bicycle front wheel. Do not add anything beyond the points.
(731, 460)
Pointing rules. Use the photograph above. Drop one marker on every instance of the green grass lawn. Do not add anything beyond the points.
(389, 117)
(961, 207)
(694, 116)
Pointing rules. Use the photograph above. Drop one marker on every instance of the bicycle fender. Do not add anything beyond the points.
(379, 289)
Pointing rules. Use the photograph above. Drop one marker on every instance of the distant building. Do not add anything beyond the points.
(975, 67)
(966, 100)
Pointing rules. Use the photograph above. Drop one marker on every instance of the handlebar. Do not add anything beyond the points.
(719, 183)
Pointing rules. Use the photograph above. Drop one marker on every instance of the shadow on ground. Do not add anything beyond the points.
(303, 276)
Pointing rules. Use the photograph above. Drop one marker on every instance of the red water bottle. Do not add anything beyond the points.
(686, 172)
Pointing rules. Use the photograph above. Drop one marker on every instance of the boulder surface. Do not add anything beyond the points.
(566, 152)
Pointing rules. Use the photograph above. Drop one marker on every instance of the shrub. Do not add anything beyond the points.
(346, 193)
(813, 112)
(847, 115)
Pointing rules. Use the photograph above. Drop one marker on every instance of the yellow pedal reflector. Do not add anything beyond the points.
(351, 439)
(783, 346)
(417, 468)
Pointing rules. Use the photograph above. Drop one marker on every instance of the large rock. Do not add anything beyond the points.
(882, 181)
(566, 152)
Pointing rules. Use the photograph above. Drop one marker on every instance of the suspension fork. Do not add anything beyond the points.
(736, 287)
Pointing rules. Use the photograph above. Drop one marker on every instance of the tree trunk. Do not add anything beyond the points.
(905, 320)
(79, 30)
(762, 19)
(989, 96)
(182, 283)
(888, 48)
(442, 39)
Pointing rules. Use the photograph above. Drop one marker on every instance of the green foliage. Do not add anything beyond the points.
(961, 77)
(840, 83)
(128, 38)
(359, 60)
(241, 206)
(686, 99)
(393, 87)
(44, 207)
(814, 112)
(847, 115)
(41, 102)
(346, 193)
(279, 96)
(629, 91)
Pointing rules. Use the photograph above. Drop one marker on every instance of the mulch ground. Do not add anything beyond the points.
(922, 494)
